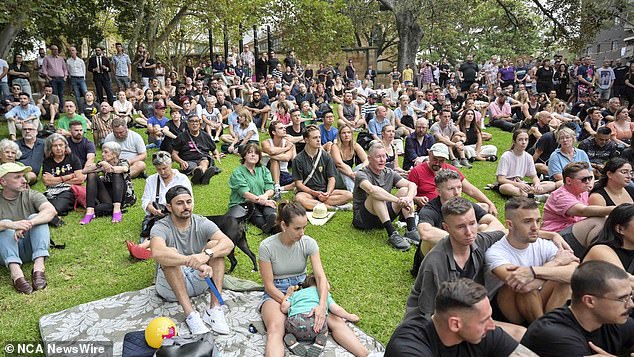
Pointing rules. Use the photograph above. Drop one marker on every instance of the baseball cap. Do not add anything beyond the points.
(440, 150)
(238, 101)
(374, 96)
(175, 191)
(159, 105)
(12, 167)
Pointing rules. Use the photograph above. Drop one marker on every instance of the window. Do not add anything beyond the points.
(615, 45)
(598, 48)
(617, 20)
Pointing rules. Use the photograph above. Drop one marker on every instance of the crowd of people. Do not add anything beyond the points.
(480, 283)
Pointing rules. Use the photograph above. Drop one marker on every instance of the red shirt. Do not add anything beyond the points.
(423, 177)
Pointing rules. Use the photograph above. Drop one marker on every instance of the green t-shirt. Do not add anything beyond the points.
(304, 300)
(26, 204)
(242, 181)
(64, 122)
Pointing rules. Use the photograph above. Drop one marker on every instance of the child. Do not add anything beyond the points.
(300, 322)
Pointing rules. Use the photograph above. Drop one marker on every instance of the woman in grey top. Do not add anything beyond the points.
(282, 261)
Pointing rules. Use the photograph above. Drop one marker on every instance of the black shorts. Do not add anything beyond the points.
(363, 219)
(497, 314)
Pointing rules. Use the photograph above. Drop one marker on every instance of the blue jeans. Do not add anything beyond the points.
(33, 245)
(58, 88)
(4, 90)
(79, 88)
(282, 285)
(24, 84)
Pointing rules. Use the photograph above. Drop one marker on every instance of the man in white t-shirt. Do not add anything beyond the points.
(605, 79)
(4, 80)
(526, 275)
(132, 146)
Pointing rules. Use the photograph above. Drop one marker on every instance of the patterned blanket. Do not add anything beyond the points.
(111, 318)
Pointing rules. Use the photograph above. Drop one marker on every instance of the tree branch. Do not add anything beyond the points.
(550, 15)
(390, 4)
(511, 17)
(184, 11)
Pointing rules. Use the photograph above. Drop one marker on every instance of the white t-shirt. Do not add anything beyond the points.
(242, 133)
(512, 166)
(131, 146)
(537, 254)
(4, 64)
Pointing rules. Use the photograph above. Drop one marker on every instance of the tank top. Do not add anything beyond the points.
(608, 201)
(339, 92)
(390, 158)
(283, 164)
(348, 110)
(352, 162)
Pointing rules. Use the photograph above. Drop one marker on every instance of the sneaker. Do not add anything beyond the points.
(277, 196)
(150, 146)
(209, 173)
(215, 318)
(346, 207)
(398, 242)
(268, 226)
(456, 163)
(465, 163)
(412, 237)
(542, 198)
(196, 324)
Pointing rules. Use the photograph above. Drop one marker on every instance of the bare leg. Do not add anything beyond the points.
(308, 201)
(136, 168)
(510, 190)
(339, 197)
(530, 305)
(275, 171)
(274, 321)
(16, 271)
(587, 230)
(218, 267)
(555, 294)
(506, 301)
(345, 337)
(176, 281)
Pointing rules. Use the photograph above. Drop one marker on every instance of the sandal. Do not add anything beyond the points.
(117, 217)
(291, 342)
(87, 219)
(492, 158)
(317, 348)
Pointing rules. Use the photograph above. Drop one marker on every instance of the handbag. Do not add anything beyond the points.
(190, 346)
(148, 221)
(364, 139)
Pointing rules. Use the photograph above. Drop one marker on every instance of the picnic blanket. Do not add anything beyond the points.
(111, 318)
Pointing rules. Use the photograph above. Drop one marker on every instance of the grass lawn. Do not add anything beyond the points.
(367, 276)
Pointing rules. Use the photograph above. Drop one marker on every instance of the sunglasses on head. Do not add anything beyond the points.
(161, 155)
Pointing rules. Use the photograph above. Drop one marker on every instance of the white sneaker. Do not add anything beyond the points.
(344, 207)
(215, 318)
(196, 324)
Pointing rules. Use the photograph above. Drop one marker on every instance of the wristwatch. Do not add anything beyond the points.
(209, 252)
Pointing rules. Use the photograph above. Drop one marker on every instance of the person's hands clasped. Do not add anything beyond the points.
(197, 260)
(565, 257)
(320, 317)
(519, 276)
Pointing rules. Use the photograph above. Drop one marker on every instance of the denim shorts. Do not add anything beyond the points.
(282, 285)
(194, 284)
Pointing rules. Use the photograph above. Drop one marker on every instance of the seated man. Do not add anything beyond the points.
(24, 233)
(32, 149)
(500, 110)
(417, 145)
(430, 229)
(368, 109)
(132, 146)
(421, 106)
(374, 206)
(79, 145)
(25, 112)
(314, 175)
(444, 131)
(193, 150)
(187, 249)
(599, 149)
(48, 103)
(567, 211)
(527, 276)
(70, 114)
(376, 124)
(280, 151)
(595, 323)
(259, 110)
(157, 126)
(423, 176)
(460, 326)
(349, 112)
(327, 131)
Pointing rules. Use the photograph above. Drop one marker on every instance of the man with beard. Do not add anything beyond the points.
(81, 147)
(189, 248)
(32, 149)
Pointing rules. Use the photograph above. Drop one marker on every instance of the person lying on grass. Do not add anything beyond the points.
(300, 324)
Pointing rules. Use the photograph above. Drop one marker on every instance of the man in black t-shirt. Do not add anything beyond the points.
(467, 72)
(460, 326)
(259, 110)
(596, 322)
(192, 149)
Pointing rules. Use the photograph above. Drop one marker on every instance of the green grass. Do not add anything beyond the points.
(367, 276)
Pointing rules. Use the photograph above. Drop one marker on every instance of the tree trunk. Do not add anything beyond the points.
(8, 34)
(409, 34)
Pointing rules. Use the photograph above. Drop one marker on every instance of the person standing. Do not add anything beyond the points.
(99, 65)
(122, 67)
(19, 73)
(55, 71)
(4, 79)
(77, 72)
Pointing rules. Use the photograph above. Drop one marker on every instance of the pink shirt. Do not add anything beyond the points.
(556, 209)
(54, 66)
(496, 110)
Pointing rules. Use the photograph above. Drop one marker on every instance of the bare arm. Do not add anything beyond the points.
(589, 211)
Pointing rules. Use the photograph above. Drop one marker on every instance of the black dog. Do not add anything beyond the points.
(236, 230)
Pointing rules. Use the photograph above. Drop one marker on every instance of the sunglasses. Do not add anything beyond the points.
(586, 179)
(161, 155)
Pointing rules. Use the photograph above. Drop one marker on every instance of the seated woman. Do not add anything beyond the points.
(122, 107)
(348, 156)
(282, 262)
(514, 165)
(565, 154)
(114, 190)
(613, 188)
(592, 122)
(616, 243)
(246, 132)
(622, 128)
(146, 108)
(280, 151)
(282, 114)
(473, 148)
(89, 107)
(387, 138)
(153, 200)
(10, 152)
(252, 183)
(212, 124)
(60, 170)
